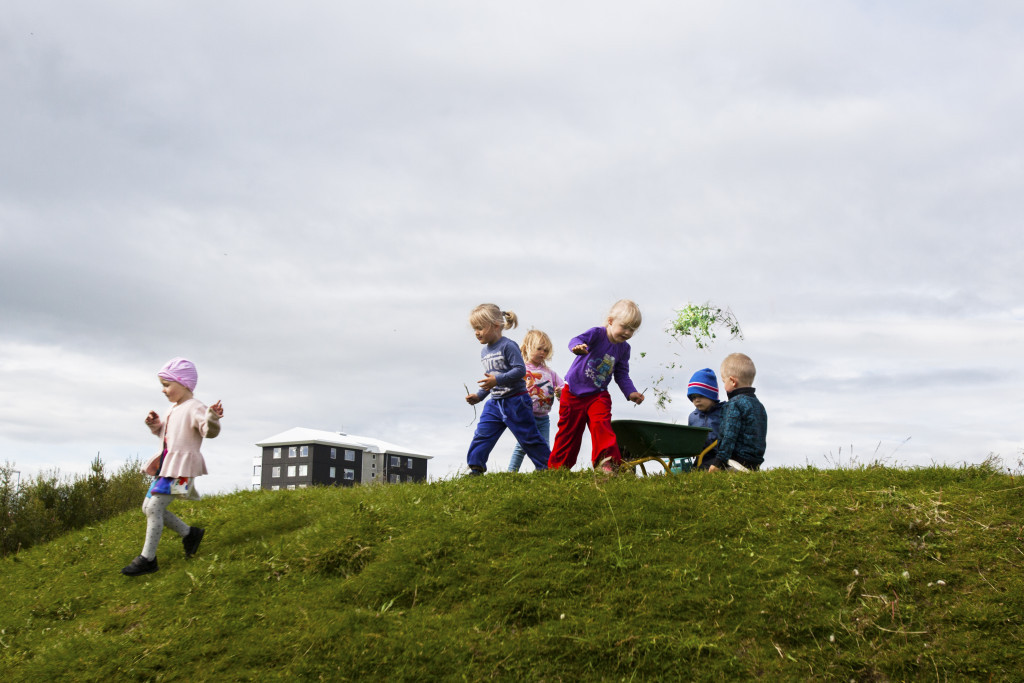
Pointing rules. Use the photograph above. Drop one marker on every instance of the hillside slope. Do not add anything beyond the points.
(866, 574)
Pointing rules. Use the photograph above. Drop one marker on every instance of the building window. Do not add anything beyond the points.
(303, 470)
(350, 475)
(304, 451)
(291, 470)
(350, 455)
(275, 487)
(275, 472)
(395, 479)
(331, 473)
(302, 486)
(408, 463)
(293, 452)
(334, 454)
(277, 453)
(291, 487)
(396, 461)
(256, 470)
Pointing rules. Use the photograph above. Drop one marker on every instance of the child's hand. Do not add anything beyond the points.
(217, 409)
(558, 393)
(580, 349)
(152, 418)
(636, 397)
(488, 382)
(472, 399)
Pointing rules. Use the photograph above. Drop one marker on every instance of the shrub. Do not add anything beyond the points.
(46, 506)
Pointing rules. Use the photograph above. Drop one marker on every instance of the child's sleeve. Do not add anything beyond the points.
(556, 379)
(205, 421)
(621, 373)
(728, 434)
(715, 423)
(584, 338)
(516, 366)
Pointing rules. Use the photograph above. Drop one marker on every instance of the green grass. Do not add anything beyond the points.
(780, 575)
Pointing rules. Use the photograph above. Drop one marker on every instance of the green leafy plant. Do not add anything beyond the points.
(699, 323)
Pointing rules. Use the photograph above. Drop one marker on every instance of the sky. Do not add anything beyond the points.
(308, 199)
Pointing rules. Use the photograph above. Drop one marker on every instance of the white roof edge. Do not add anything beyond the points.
(303, 435)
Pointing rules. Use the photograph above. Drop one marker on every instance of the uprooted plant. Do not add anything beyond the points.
(699, 323)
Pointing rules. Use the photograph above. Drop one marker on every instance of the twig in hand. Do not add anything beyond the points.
(474, 406)
(641, 393)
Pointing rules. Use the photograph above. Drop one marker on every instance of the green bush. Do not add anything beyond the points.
(46, 506)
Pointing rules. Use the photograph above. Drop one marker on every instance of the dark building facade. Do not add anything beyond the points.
(307, 457)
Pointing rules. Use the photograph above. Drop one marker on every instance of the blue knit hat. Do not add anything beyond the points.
(703, 383)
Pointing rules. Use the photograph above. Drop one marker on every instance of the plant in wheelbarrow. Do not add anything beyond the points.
(673, 446)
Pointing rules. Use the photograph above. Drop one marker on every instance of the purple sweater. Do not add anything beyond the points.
(592, 371)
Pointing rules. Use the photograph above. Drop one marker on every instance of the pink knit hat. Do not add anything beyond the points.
(180, 370)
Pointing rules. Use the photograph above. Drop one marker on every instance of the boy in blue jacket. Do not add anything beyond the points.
(703, 393)
(741, 441)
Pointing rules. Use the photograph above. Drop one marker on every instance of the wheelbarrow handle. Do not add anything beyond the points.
(700, 458)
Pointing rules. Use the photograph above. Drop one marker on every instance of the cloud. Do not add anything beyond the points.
(308, 203)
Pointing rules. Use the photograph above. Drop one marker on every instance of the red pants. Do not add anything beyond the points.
(574, 413)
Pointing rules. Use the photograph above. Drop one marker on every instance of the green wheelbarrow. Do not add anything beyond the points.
(677, 448)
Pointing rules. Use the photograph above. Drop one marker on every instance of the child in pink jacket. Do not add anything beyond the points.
(179, 462)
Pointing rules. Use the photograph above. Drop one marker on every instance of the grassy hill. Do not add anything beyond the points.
(865, 574)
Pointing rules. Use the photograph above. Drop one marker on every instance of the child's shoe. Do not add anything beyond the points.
(475, 471)
(606, 465)
(192, 539)
(140, 565)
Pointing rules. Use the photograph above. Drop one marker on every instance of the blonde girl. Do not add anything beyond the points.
(542, 384)
(509, 405)
(602, 355)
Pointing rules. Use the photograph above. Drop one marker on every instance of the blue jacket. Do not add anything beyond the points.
(711, 420)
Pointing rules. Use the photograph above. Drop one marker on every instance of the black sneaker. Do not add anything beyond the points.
(140, 565)
(475, 471)
(191, 540)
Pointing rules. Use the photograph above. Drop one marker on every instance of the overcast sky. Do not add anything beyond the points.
(307, 199)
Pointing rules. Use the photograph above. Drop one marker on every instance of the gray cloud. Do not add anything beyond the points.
(309, 203)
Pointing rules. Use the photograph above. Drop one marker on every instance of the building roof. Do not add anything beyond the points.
(301, 435)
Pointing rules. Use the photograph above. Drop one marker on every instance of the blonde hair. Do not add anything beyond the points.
(626, 312)
(532, 341)
(740, 366)
(490, 314)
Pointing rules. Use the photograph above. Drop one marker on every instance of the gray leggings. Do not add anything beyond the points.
(158, 517)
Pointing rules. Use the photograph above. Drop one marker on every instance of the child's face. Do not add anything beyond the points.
(701, 403)
(618, 332)
(487, 334)
(175, 393)
(539, 355)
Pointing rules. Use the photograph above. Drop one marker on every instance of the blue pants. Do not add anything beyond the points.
(516, 413)
(544, 427)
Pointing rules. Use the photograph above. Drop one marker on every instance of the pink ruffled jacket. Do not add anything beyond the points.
(185, 427)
